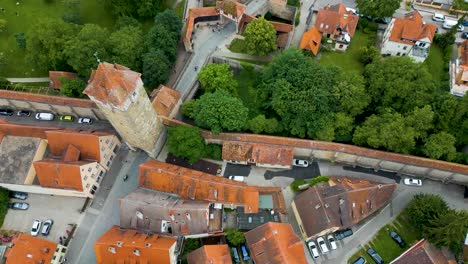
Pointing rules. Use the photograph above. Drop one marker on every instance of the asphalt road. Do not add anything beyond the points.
(296, 172)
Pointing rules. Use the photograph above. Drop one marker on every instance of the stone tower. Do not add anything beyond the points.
(120, 95)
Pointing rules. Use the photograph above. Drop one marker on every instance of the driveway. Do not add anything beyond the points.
(63, 210)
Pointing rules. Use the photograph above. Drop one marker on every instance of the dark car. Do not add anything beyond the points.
(6, 112)
(343, 233)
(18, 195)
(397, 238)
(46, 227)
(375, 256)
(18, 206)
(465, 23)
(23, 113)
(464, 35)
(360, 260)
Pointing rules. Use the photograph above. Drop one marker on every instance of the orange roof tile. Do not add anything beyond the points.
(26, 249)
(54, 77)
(334, 19)
(112, 83)
(422, 252)
(165, 99)
(56, 173)
(134, 247)
(258, 153)
(210, 254)
(72, 153)
(411, 28)
(10, 129)
(196, 185)
(275, 243)
(340, 203)
(311, 40)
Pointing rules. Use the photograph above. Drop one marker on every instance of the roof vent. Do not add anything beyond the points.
(327, 205)
(341, 201)
(318, 206)
(136, 252)
(275, 232)
(139, 215)
(119, 243)
(354, 204)
(159, 170)
(111, 250)
(188, 216)
(147, 245)
(379, 186)
(29, 256)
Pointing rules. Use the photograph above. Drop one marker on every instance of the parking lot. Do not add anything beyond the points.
(62, 210)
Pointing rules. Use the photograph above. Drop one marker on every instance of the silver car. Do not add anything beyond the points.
(36, 227)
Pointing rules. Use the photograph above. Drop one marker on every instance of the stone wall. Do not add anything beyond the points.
(446, 172)
(56, 104)
(279, 8)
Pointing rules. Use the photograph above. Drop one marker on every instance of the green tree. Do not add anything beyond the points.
(126, 21)
(217, 77)
(186, 142)
(378, 8)
(126, 47)
(448, 230)
(260, 37)
(400, 83)
(156, 68)
(3, 25)
(46, 40)
(72, 87)
(344, 125)
(219, 111)
(81, 51)
(234, 237)
(440, 146)
(261, 124)
(71, 13)
(368, 54)
(351, 94)
(159, 38)
(4, 199)
(169, 20)
(421, 120)
(387, 130)
(135, 8)
(424, 208)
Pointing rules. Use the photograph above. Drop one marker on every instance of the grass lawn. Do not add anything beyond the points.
(247, 90)
(92, 11)
(238, 46)
(435, 62)
(383, 244)
(348, 60)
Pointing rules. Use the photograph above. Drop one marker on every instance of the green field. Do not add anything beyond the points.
(383, 244)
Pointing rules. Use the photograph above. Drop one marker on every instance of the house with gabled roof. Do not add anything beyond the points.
(210, 254)
(408, 36)
(424, 252)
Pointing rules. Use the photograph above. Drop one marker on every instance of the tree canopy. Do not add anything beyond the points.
(440, 146)
(135, 8)
(234, 237)
(378, 8)
(260, 37)
(217, 77)
(156, 68)
(186, 142)
(72, 87)
(126, 47)
(424, 208)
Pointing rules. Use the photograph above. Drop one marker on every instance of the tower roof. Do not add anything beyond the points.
(112, 83)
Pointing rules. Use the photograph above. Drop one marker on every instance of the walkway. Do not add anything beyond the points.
(29, 80)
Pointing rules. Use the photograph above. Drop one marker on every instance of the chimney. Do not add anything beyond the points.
(111, 250)
(119, 243)
(275, 232)
(136, 252)
(147, 245)
(29, 256)
(317, 206)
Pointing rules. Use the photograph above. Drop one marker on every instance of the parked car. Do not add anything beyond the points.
(36, 227)
(237, 178)
(300, 163)
(23, 113)
(85, 120)
(18, 195)
(18, 206)
(46, 227)
(313, 249)
(465, 23)
(45, 116)
(343, 233)
(245, 253)
(375, 256)
(67, 118)
(451, 23)
(235, 254)
(397, 238)
(6, 112)
(464, 35)
(412, 182)
(384, 20)
(322, 245)
(438, 17)
(332, 242)
(360, 260)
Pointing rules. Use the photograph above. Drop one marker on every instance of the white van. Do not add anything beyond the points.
(438, 17)
(45, 116)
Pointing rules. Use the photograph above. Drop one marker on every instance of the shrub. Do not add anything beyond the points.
(234, 238)
(296, 183)
(213, 151)
(318, 179)
(4, 82)
(368, 54)
(298, 18)
(4, 199)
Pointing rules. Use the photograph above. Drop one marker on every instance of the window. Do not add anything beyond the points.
(108, 163)
(398, 54)
(85, 178)
(87, 186)
(112, 157)
(107, 141)
(341, 46)
(63, 250)
(89, 169)
(101, 173)
(405, 47)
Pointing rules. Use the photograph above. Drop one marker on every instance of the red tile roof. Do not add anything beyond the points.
(26, 249)
(311, 40)
(423, 252)
(196, 185)
(275, 243)
(340, 203)
(210, 254)
(54, 173)
(165, 99)
(55, 78)
(134, 247)
(334, 19)
(411, 28)
(258, 153)
(231, 7)
(112, 83)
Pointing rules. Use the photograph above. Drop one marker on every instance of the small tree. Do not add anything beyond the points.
(156, 68)
(440, 145)
(72, 87)
(186, 142)
(235, 238)
(260, 37)
(217, 77)
(261, 124)
(424, 208)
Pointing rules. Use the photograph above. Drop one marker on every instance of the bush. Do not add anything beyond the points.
(296, 183)
(234, 238)
(318, 179)
(425, 208)
(4, 199)
(298, 18)
(4, 82)
(213, 151)
(368, 54)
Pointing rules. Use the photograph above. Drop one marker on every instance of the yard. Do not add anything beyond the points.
(349, 60)
(247, 90)
(435, 63)
(384, 245)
